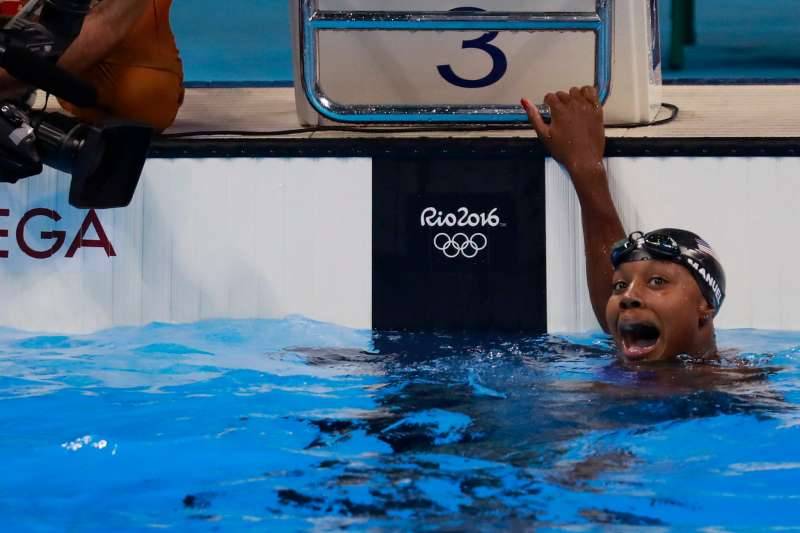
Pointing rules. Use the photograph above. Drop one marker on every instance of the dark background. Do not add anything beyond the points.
(415, 287)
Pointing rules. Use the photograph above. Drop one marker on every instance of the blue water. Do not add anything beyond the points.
(298, 425)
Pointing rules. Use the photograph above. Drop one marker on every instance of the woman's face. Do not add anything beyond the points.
(657, 312)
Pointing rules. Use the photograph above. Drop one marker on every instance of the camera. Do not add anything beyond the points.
(105, 161)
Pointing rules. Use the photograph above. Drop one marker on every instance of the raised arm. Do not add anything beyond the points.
(575, 138)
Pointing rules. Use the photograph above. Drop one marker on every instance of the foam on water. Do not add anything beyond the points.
(295, 424)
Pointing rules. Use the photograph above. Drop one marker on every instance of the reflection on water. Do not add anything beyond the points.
(295, 424)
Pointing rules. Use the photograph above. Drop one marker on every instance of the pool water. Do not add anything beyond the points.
(293, 424)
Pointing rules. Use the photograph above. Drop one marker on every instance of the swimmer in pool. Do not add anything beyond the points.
(660, 291)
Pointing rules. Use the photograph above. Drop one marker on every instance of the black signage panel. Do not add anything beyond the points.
(459, 244)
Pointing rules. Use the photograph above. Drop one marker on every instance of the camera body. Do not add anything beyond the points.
(105, 160)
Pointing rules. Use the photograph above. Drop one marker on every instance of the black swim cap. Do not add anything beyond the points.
(679, 246)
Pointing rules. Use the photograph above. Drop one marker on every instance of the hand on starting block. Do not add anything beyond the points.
(575, 136)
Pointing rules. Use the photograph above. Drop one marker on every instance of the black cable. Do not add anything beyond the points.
(674, 110)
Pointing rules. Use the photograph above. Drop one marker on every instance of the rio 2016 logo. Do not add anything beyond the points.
(58, 237)
(461, 244)
(462, 217)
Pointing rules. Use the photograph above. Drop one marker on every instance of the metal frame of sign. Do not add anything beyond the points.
(313, 20)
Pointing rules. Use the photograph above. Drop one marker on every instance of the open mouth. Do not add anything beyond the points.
(638, 339)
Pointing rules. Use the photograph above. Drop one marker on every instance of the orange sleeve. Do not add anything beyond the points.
(142, 79)
(150, 43)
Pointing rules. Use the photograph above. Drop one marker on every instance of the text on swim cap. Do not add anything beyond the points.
(708, 278)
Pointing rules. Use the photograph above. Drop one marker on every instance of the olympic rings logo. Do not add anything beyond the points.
(460, 244)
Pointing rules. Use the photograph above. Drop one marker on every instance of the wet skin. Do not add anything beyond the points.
(657, 312)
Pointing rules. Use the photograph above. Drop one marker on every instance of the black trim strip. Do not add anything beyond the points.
(494, 147)
(731, 81)
(704, 147)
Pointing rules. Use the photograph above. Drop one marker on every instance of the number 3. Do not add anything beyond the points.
(499, 61)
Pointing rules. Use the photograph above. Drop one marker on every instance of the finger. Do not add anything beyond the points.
(577, 98)
(536, 120)
(556, 106)
(590, 93)
(563, 97)
(552, 100)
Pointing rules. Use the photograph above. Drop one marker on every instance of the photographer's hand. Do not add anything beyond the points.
(576, 138)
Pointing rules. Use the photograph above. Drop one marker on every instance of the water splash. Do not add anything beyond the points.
(296, 424)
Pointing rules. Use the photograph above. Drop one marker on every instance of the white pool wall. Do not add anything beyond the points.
(203, 238)
(267, 238)
(746, 208)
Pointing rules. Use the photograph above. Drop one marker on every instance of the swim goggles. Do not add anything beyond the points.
(658, 245)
